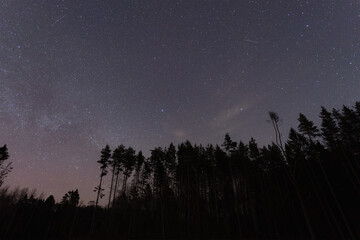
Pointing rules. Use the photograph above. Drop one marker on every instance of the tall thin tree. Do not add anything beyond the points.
(104, 160)
(4, 168)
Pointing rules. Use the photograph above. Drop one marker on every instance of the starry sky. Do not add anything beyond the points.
(76, 75)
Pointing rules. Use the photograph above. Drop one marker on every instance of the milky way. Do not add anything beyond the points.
(76, 75)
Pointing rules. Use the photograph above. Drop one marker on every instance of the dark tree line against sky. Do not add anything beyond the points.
(305, 186)
(81, 74)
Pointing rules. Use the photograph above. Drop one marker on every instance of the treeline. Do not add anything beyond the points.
(305, 186)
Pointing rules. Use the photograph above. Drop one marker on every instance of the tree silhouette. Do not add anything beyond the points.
(118, 163)
(144, 177)
(236, 190)
(140, 159)
(71, 198)
(307, 127)
(275, 120)
(329, 128)
(104, 160)
(115, 164)
(50, 201)
(5, 169)
(228, 143)
(128, 166)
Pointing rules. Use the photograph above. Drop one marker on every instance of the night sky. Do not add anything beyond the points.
(76, 75)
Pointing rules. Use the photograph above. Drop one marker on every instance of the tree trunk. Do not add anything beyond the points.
(111, 187)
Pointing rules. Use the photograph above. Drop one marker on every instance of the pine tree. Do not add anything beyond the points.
(348, 123)
(357, 123)
(50, 201)
(115, 163)
(243, 150)
(139, 162)
(170, 163)
(307, 127)
(104, 160)
(144, 177)
(118, 155)
(357, 108)
(74, 197)
(129, 163)
(294, 147)
(329, 129)
(254, 152)
(228, 143)
(275, 120)
(157, 161)
(71, 198)
(140, 159)
(5, 169)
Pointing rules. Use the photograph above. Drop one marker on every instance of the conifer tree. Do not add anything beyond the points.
(50, 201)
(170, 163)
(118, 155)
(140, 159)
(275, 120)
(329, 128)
(104, 160)
(144, 177)
(129, 163)
(357, 108)
(348, 123)
(228, 144)
(71, 198)
(254, 152)
(243, 150)
(307, 127)
(5, 169)
(115, 163)
(294, 147)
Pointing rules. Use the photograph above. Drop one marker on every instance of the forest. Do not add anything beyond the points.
(304, 186)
